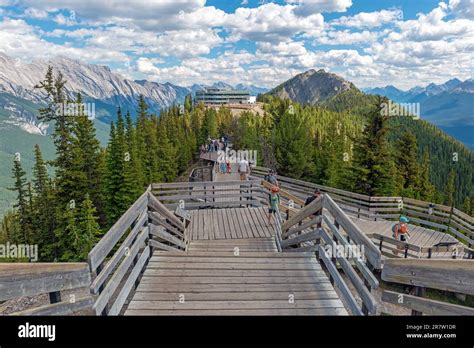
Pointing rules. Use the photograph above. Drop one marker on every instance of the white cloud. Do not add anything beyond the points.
(369, 19)
(35, 13)
(462, 8)
(308, 7)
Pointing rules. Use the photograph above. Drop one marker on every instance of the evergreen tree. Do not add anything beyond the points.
(21, 188)
(450, 189)
(373, 169)
(89, 229)
(407, 165)
(427, 190)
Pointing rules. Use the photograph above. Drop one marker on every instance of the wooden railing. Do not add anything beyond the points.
(388, 245)
(118, 260)
(426, 214)
(199, 195)
(304, 232)
(456, 276)
(201, 174)
(115, 275)
(167, 231)
(31, 279)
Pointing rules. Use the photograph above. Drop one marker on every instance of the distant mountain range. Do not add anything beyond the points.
(449, 106)
(96, 83)
(20, 129)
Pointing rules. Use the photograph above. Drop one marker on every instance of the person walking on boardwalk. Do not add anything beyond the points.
(244, 169)
(271, 178)
(274, 200)
(229, 167)
(401, 232)
(223, 167)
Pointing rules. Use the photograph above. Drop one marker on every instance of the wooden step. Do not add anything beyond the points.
(211, 279)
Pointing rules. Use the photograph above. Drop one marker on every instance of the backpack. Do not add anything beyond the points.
(402, 228)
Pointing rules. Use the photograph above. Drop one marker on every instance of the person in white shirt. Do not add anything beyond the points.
(244, 169)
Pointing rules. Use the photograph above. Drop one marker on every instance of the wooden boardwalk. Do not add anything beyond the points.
(212, 279)
(420, 236)
(230, 223)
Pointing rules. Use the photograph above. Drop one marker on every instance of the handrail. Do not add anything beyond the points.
(31, 279)
(117, 273)
(447, 275)
(434, 216)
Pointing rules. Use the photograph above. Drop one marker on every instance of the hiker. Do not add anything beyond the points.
(223, 167)
(316, 194)
(401, 232)
(271, 178)
(274, 200)
(229, 167)
(244, 169)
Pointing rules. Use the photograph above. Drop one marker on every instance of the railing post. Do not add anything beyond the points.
(406, 251)
(429, 253)
(381, 243)
(420, 292)
(55, 297)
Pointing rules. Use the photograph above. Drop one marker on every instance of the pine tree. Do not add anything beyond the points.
(89, 229)
(426, 190)
(373, 169)
(293, 144)
(87, 156)
(450, 189)
(407, 165)
(21, 188)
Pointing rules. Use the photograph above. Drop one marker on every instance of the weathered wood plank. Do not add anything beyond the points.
(307, 211)
(448, 275)
(234, 280)
(127, 287)
(114, 260)
(425, 305)
(246, 312)
(160, 208)
(114, 282)
(241, 295)
(308, 236)
(157, 220)
(29, 279)
(372, 253)
(339, 282)
(162, 246)
(110, 239)
(229, 305)
(60, 308)
(158, 232)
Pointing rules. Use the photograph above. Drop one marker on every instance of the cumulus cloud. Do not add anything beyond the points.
(370, 19)
(309, 7)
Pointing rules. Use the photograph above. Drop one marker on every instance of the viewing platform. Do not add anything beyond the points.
(206, 248)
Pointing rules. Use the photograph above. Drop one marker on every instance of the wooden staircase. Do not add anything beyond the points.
(234, 277)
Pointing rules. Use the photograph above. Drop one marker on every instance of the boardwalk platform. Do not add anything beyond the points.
(211, 279)
(230, 223)
(421, 237)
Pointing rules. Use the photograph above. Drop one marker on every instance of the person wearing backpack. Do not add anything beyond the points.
(401, 232)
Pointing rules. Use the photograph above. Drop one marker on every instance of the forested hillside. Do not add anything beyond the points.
(446, 153)
(66, 213)
(353, 147)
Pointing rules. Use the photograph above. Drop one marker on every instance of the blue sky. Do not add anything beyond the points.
(371, 43)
